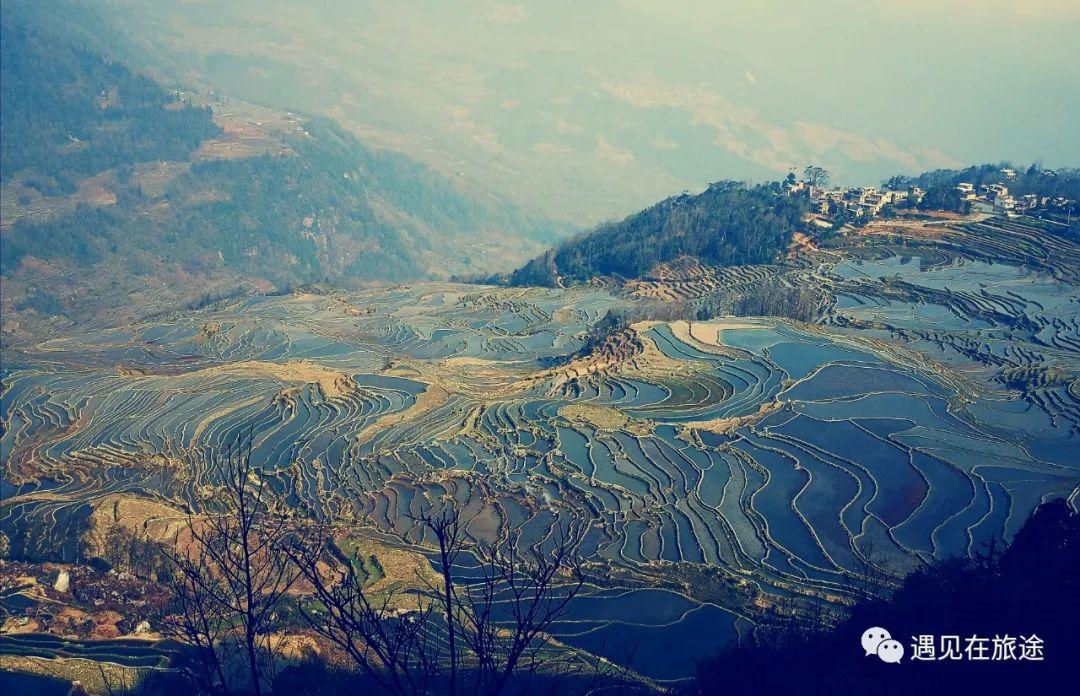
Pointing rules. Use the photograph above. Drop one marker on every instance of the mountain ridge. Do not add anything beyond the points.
(113, 183)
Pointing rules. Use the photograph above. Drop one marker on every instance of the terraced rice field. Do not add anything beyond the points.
(712, 468)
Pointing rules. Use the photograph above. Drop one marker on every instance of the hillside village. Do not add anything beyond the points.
(857, 205)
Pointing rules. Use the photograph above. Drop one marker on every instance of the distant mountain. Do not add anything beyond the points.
(727, 224)
(67, 112)
(597, 113)
(112, 183)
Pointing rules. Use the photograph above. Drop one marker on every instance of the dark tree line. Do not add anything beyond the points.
(775, 299)
(1030, 587)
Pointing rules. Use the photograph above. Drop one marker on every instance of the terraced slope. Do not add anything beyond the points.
(715, 468)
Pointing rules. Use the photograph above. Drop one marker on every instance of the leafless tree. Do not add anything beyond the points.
(505, 616)
(448, 533)
(465, 636)
(815, 175)
(198, 620)
(129, 550)
(229, 571)
(396, 650)
(872, 578)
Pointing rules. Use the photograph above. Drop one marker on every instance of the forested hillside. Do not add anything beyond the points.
(727, 224)
(112, 183)
(68, 112)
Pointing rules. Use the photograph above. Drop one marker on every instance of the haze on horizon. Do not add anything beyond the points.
(586, 111)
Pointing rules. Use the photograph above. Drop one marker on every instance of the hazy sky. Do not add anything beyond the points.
(589, 109)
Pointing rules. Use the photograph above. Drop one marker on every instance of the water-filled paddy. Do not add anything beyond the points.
(783, 457)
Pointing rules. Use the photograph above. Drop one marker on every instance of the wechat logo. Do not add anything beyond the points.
(878, 641)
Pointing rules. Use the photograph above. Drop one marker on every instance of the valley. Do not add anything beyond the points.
(333, 359)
